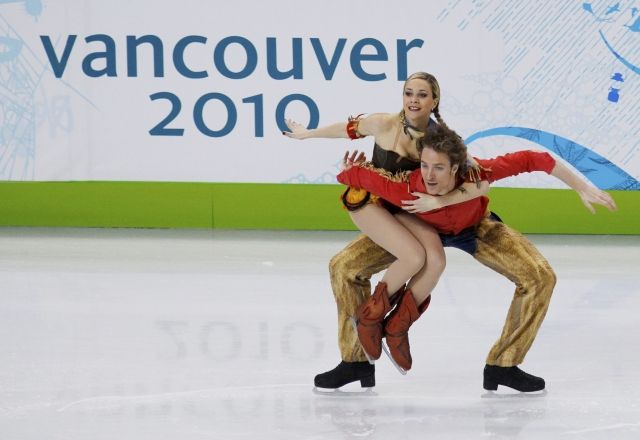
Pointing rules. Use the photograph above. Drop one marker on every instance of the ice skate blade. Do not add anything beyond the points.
(337, 392)
(354, 324)
(514, 394)
(388, 353)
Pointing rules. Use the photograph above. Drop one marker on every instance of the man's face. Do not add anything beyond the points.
(437, 172)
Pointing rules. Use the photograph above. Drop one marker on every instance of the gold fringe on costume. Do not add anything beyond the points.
(355, 198)
(400, 176)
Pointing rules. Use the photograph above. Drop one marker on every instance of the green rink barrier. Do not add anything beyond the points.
(275, 206)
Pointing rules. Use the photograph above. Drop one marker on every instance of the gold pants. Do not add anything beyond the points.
(499, 247)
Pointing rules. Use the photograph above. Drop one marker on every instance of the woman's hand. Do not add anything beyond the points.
(297, 130)
(590, 195)
(354, 159)
(423, 203)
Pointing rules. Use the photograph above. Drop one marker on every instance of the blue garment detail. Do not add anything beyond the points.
(466, 240)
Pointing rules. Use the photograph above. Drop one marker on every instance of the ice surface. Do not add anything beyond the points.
(178, 334)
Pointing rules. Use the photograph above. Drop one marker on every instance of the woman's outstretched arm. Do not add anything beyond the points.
(299, 131)
(370, 125)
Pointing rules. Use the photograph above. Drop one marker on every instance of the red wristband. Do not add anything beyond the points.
(352, 127)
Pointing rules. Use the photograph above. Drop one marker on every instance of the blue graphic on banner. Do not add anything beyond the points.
(615, 8)
(33, 7)
(19, 78)
(620, 58)
(614, 92)
(328, 176)
(21, 112)
(634, 27)
(599, 170)
(17, 111)
(614, 95)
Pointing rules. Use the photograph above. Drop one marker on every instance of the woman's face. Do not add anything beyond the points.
(438, 174)
(417, 99)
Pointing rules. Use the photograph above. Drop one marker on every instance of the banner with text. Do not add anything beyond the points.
(198, 91)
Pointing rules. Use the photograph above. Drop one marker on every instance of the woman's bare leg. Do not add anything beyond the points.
(385, 230)
(411, 307)
(423, 282)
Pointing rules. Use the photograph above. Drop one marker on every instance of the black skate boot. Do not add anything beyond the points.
(512, 377)
(347, 372)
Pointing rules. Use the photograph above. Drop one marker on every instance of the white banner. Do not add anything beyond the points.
(198, 90)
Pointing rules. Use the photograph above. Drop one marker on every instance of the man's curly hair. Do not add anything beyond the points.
(444, 140)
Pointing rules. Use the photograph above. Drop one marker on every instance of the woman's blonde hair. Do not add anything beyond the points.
(435, 92)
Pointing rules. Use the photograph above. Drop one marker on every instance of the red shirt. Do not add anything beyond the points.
(454, 218)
